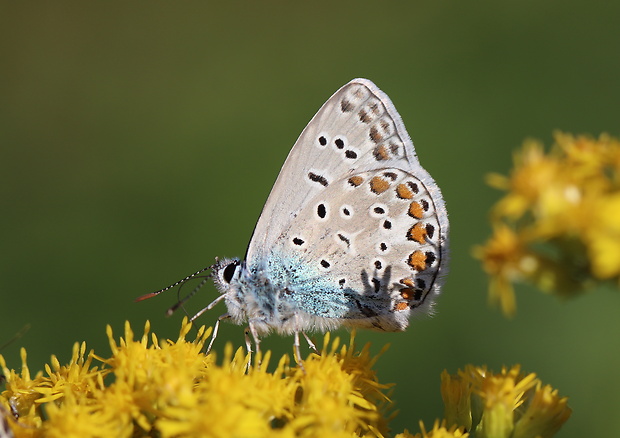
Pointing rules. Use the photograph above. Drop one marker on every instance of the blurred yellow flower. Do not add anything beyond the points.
(557, 225)
(506, 404)
(439, 430)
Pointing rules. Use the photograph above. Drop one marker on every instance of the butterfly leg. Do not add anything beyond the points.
(248, 346)
(209, 307)
(298, 358)
(215, 330)
(256, 339)
(296, 348)
(310, 343)
(251, 329)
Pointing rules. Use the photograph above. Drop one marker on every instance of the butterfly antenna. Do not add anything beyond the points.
(189, 277)
(15, 337)
(183, 300)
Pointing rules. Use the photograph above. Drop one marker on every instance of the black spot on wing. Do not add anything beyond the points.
(318, 179)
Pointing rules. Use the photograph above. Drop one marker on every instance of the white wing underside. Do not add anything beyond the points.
(355, 209)
(369, 110)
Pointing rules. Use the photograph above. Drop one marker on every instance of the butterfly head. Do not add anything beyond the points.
(228, 276)
(225, 272)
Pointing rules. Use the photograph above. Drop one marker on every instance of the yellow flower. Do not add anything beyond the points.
(533, 170)
(339, 391)
(603, 240)
(544, 415)
(227, 402)
(84, 417)
(556, 227)
(501, 395)
(439, 430)
(172, 389)
(502, 258)
(151, 377)
(456, 394)
(506, 404)
(78, 376)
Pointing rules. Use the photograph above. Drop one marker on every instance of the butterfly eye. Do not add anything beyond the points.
(229, 271)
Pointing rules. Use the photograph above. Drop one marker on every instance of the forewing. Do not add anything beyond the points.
(356, 130)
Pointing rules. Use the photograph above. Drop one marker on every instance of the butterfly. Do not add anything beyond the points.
(354, 232)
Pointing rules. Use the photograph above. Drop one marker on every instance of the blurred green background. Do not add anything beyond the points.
(139, 140)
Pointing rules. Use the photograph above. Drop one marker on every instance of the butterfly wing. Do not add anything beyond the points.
(352, 172)
(357, 129)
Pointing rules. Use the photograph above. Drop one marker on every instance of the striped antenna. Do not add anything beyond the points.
(180, 282)
(182, 301)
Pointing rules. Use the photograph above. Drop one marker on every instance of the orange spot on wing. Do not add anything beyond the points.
(379, 185)
(407, 282)
(416, 210)
(417, 260)
(381, 153)
(401, 306)
(355, 181)
(417, 233)
(404, 192)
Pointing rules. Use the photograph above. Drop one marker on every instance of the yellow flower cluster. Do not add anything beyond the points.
(171, 389)
(557, 226)
(507, 404)
(439, 430)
